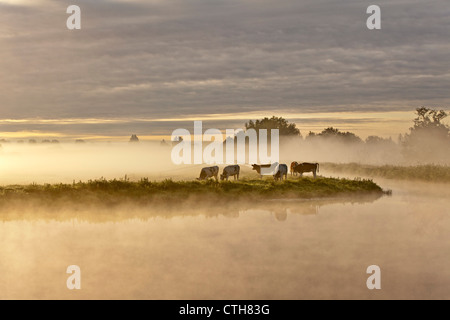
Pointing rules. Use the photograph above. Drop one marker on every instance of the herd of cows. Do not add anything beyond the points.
(278, 171)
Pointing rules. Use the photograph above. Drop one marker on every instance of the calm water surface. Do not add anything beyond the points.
(272, 250)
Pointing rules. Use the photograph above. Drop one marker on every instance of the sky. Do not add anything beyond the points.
(151, 66)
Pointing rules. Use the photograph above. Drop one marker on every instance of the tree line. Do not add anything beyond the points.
(428, 126)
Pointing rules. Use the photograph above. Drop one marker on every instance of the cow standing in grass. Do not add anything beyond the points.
(230, 171)
(293, 165)
(265, 169)
(281, 171)
(307, 167)
(207, 173)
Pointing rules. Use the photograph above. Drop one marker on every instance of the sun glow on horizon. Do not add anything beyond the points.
(364, 124)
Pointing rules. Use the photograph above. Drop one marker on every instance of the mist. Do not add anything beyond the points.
(311, 249)
(64, 162)
(279, 249)
(429, 150)
(68, 162)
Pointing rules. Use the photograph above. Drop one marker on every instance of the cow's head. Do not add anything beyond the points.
(222, 177)
(255, 167)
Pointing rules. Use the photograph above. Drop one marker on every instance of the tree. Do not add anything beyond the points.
(430, 119)
(333, 133)
(330, 133)
(134, 138)
(428, 123)
(429, 138)
(375, 140)
(285, 128)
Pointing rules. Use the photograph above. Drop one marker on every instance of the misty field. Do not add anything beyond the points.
(429, 173)
(110, 192)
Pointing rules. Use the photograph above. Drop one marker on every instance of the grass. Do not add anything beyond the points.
(430, 173)
(110, 192)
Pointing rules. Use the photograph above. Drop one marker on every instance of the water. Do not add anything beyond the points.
(272, 250)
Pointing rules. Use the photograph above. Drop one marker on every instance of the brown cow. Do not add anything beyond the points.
(293, 164)
(307, 167)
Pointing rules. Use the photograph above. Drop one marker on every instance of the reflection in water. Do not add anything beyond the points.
(127, 211)
(321, 249)
(281, 209)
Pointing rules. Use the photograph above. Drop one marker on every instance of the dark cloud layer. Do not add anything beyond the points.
(164, 59)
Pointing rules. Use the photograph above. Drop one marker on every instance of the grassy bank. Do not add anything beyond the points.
(430, 173)
(145, 191)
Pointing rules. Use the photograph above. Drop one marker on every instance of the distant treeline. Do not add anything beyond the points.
(428, 140)
(428, 122)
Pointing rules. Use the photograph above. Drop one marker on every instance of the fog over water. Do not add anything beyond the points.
(149, 67)
(66, 162)
(269, 250)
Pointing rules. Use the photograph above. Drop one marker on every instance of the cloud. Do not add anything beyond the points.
(160, 59)
(20, 2)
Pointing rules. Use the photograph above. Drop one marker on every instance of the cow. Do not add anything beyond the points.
(230, 171)
(282, 170)
(211, 172)
(265, 169)
(293, 164)
(307, 167)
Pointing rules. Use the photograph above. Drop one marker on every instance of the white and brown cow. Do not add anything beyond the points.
(210, 172)
(265, 169)
(230, 171)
